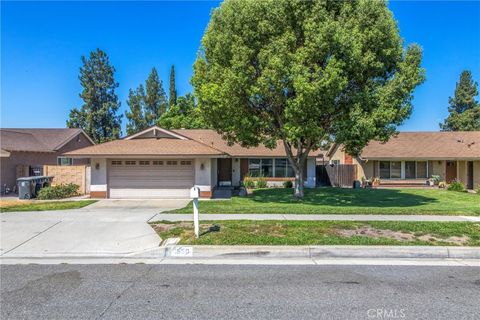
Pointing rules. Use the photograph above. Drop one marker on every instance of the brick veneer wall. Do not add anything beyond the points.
(67, 174)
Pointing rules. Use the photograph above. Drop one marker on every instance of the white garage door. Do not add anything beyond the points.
(147, 179)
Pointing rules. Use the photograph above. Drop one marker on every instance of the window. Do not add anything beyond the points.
(254, 167)
(395, 169)
(384, 169)
(283, 168)
(157, 162)
(171, 163)
(279, 168)
(130, 163)
(410, 170)
(335, 162)
(267, 167)
(116, 163)
(64, 161)
(144, 163)
(422, 170)
(185, 163)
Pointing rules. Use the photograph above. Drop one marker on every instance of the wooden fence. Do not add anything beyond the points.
(339, 175)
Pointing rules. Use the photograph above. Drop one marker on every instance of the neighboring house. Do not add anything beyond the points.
(413, 157)
(159, 163)
(24, 152)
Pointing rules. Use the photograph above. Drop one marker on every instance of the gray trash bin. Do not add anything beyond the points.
(28, 187)
(357, 184)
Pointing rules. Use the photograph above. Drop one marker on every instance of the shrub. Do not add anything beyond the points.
(248, 183)
(58, 192)
(288, 184)
(435, 179)
(261, 183)
(456, 186)
(478, 190)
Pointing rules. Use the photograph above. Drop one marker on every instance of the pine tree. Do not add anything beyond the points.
(464, 109)
(155, 99)
(98, 115)
(136, 115)
(184, 114)
(173, 90)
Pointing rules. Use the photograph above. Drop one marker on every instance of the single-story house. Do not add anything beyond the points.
(160, 163)
(24, 152)
(415, 156)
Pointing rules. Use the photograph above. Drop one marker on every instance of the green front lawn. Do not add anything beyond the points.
(347, 201)
(242, 232)
(44, 206)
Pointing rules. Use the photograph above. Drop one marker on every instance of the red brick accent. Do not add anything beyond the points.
(205, 194)
(348, 159)
(98, 194)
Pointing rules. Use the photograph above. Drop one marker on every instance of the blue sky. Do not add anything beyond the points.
(41, 46)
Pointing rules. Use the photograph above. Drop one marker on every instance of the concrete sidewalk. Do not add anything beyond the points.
(314, 217)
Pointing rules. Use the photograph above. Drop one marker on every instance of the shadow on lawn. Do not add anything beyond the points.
(344, 197)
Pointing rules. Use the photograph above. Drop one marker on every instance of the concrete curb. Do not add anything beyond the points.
(322, 252)
(186, 253)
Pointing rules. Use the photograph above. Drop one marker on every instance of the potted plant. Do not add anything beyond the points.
(249, 184)
(434, 180)
(375, 182)
(364, 182)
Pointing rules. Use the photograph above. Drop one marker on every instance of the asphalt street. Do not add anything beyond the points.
(238, 292)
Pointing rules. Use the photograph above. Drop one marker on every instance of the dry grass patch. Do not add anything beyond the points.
(368, 231)
(244, 232)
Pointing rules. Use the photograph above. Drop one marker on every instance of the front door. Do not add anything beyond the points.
(451, 172)
(224, 170)
(470, 175)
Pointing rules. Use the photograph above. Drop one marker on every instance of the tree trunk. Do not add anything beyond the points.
(298, 165)
(299, 182)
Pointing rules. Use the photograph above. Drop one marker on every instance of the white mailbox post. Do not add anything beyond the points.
(194, 194)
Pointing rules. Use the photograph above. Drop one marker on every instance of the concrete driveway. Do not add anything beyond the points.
(107, 227)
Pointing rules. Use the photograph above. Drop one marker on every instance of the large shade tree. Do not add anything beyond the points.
(98, 115)
(304, 72)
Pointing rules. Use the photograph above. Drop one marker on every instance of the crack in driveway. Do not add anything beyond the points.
(29, 239)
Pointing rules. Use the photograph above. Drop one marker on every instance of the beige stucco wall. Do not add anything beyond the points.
(437, 167)
(203, 175)
(462, 171)
(364, 168)
(338, 154)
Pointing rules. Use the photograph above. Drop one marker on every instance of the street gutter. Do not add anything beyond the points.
(180, 254)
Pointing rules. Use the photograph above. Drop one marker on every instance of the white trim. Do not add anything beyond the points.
(154, 128)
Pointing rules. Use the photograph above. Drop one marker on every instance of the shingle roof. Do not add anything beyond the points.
(183, 142)
(213, 139)
(35, 140)
(148, 147)
(427, 145)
